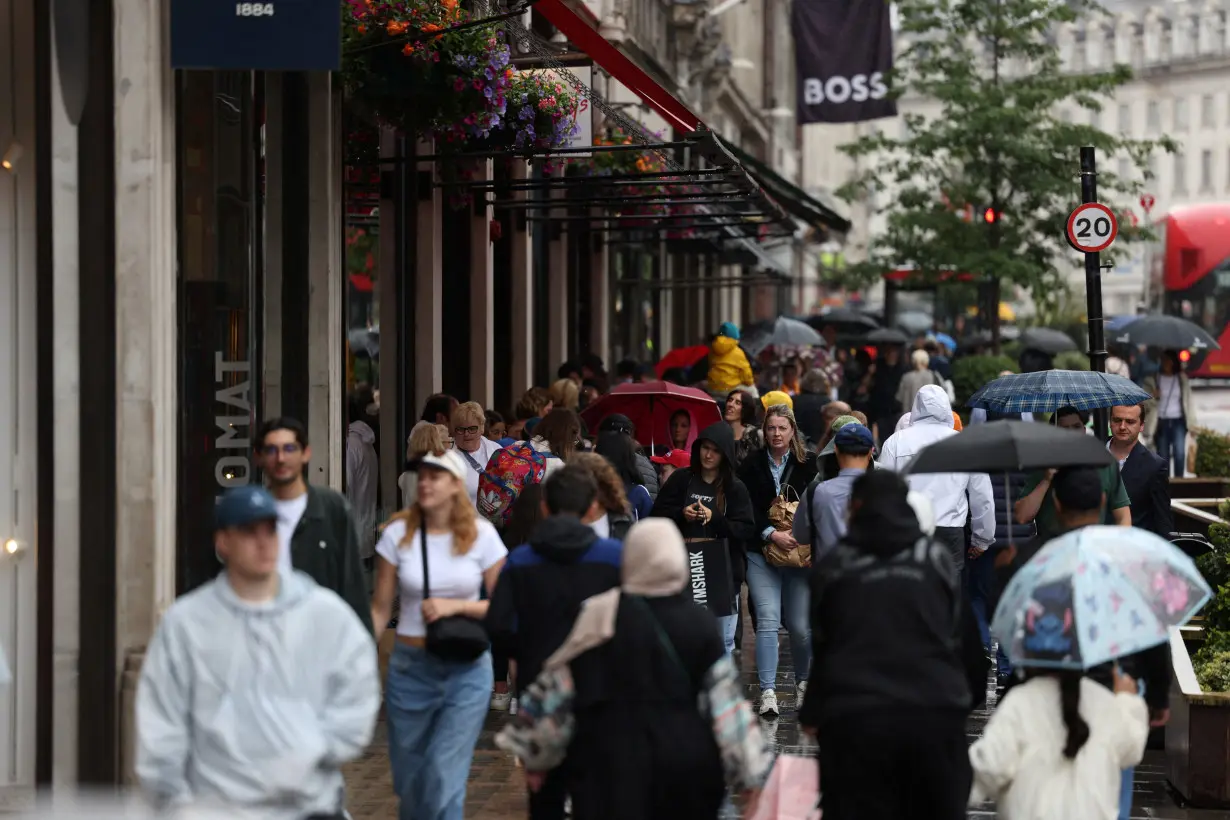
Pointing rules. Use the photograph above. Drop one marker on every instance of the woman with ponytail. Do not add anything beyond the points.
(1055, 746)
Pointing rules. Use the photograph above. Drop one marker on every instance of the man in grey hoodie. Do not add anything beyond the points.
(258, 686)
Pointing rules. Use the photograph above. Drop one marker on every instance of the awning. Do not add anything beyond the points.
(618, 65)
(794, 199)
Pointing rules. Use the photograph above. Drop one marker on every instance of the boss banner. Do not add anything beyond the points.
(843, 54)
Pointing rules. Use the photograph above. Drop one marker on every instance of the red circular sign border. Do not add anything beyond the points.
(1107, 212)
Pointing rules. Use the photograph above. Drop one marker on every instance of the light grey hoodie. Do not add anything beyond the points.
(256, 706)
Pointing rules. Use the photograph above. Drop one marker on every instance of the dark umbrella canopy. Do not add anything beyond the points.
(915, 321)
(886, 336)
(364, 342)
(1011, 446)
(1047, 340)
(1166, 332)
(782, 332)
(845, 320)
(982, 338)
(1049, 390)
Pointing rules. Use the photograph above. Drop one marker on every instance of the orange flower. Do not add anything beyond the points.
(408, 49)
(362, 29)
(395, 28)
(430, 27)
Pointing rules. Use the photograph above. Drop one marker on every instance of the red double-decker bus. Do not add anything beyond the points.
(1194, 262)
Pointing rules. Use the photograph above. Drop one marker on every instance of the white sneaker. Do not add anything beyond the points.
(512, 706)
(800, 689)
(768, 703)
(500, 701)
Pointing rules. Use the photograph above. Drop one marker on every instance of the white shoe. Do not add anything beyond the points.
(512, 706)
(768, 703)
(500, 701)
(800, 689)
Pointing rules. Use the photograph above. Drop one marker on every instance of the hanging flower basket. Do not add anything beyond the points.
(449, 85)
(542, 112)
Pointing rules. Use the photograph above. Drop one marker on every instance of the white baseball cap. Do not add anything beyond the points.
(448, 461)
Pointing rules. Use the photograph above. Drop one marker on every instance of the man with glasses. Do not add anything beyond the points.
(316, 526)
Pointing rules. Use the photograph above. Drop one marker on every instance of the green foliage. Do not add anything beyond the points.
(1212, 455)
(1213, 672)
(1214, 568)
(1072, 360)
(999, 139)
(970, 373)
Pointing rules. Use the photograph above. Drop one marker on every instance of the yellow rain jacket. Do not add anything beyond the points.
(728, 366)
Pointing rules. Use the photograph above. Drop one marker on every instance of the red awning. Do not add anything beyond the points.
(616, 63)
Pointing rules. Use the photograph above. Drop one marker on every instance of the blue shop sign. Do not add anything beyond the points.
(277, 35)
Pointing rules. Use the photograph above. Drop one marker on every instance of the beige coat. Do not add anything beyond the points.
(1189, 407)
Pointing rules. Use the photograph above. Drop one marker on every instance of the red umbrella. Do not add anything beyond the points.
(650, 406)
(683, 357)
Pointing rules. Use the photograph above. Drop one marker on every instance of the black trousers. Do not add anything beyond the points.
(548, 802)
(896, 764)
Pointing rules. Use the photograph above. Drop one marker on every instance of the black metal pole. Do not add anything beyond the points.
(1093, 292)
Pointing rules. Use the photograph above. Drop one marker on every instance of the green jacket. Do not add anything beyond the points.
(326, 546)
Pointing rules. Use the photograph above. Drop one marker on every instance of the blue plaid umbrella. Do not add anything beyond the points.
(1051, 389)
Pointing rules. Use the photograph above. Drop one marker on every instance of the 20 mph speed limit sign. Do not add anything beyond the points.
(1092, 227)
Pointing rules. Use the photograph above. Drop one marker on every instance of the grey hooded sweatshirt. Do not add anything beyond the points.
(255, 707)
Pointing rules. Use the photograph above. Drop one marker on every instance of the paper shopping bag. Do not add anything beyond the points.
(792, 792)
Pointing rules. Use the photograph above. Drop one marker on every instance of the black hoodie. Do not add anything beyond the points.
(733, 518)
(542, 586)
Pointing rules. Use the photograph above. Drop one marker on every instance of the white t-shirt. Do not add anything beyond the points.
(486, 449)
(601, 526)
(290, 512)
(459, 577)
(1170, 397)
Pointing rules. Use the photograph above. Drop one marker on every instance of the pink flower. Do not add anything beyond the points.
(478, 85)
(458, 84)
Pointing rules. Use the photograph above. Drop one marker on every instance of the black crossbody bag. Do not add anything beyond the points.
(457, 638)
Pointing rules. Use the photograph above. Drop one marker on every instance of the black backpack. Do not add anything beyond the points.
(620, 524)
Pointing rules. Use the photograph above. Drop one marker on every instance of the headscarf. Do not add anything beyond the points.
(655, 565)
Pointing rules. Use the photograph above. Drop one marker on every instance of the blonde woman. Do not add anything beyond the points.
(435, 707)
(469, 422)
(617, 518)
(565, 394)
(425, 438)
(779, 593)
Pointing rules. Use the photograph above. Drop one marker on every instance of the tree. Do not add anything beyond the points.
(984, 187)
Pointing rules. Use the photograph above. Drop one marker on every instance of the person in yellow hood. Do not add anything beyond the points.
(728, 364)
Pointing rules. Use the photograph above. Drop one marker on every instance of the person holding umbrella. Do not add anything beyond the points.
(1171, 413)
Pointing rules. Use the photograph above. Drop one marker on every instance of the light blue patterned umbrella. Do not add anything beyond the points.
(1049, 390)
(1096, 594)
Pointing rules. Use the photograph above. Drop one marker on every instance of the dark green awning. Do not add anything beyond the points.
(791, 197)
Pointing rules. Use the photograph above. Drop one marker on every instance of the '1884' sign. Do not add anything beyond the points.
(283, 35)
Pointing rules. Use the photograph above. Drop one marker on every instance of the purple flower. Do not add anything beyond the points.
(488, 93)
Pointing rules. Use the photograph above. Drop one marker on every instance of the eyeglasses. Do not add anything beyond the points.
(466, 431)
(286, 449)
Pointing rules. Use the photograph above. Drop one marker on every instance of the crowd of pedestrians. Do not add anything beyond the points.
(553, 571)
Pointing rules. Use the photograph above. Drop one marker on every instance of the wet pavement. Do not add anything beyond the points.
(496, 788)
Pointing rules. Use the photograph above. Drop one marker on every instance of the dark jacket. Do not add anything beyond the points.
(809, 413)
(755, 474)
(325, 545)
(1146, 476)
(889, 627)
(541, 588)
(649, 476)
(733, 520)
(1006, 489)
(642, 750)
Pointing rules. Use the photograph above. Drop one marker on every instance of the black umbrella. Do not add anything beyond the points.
(886, 336)
(915, 322)
(782, 332)
(982, 338)
(1047, 340)
(365, 342)
(1011, 446)
(1166, 332)
(845, 320)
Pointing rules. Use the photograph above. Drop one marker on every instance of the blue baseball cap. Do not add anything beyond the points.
(240, 506)
(729, 329)
(854, 437)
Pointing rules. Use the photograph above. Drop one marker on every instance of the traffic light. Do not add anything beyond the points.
(1185, 356)
(989, 216)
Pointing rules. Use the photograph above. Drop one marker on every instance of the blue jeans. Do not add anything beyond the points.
(778, 590)
(1128, 777)
(435, 711)
(728, 624)
(1171, 442)
(980, 584)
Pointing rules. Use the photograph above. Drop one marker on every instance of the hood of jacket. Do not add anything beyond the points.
(363, 431)
(655, 561)
(931, 406)
(722, 345)
(886, 523)
(264, 733)
(562, 538)
(720, 434)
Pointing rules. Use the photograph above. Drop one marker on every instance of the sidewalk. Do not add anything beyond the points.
(497, 792)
